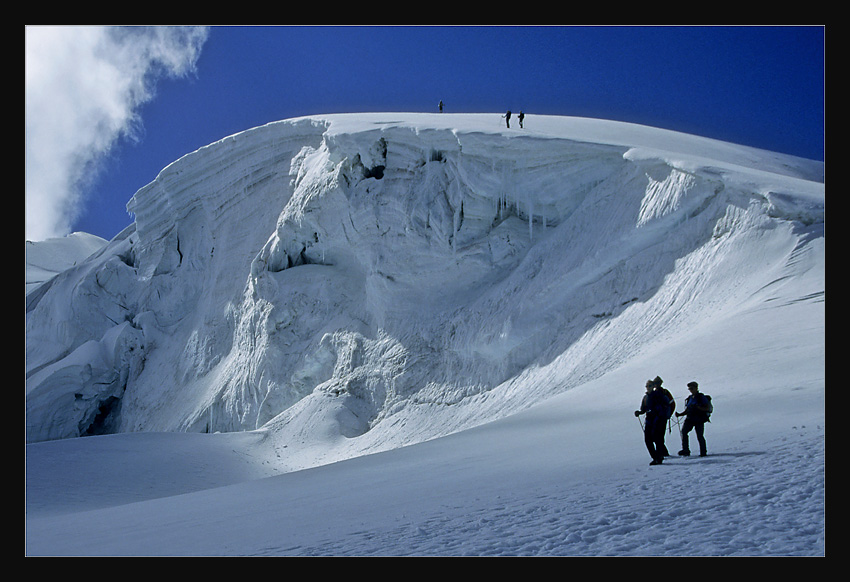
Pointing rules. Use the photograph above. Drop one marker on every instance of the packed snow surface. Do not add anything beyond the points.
(411, 334)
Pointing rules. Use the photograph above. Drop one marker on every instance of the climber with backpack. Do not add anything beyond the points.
(668, 413)
(656, 405)
(698, 409)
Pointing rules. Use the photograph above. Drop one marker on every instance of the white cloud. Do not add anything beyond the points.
(84, 86)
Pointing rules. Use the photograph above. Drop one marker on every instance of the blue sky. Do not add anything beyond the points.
(760, 86)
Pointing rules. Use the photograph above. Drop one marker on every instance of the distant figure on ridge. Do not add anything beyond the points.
(507, 117)
(521, 116)
(441, 105)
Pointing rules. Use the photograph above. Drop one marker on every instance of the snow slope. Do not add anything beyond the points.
(426, 334)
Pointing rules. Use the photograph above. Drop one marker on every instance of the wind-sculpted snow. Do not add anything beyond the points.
(361, 275)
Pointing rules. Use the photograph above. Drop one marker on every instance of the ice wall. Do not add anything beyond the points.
(384, 266)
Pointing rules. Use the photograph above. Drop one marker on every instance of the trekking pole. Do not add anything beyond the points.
(640, 422)
(678, 425)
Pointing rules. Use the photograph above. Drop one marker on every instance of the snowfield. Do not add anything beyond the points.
(404, 334)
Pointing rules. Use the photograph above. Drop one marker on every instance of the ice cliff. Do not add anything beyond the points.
(359, 274)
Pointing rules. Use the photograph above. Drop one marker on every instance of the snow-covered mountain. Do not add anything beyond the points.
(326, 287)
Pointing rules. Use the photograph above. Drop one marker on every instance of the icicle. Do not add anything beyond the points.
(454, 231)
(458, 220)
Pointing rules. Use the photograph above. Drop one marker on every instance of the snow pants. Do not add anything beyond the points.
(653, 436)
(699, 429)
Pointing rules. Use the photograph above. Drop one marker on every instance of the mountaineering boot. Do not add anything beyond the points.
(684, 453)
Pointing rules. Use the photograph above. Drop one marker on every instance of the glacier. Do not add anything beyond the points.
(349, 283)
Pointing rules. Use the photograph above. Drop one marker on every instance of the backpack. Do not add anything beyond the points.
(671, 408)
(710, 407)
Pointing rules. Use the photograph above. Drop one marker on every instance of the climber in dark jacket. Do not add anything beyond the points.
(656, 406)
(697, 410)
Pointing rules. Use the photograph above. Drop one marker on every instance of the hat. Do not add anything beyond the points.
(693, 385)
(658, 381)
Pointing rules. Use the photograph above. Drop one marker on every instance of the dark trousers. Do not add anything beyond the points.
(653, 436)
(699, 429)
